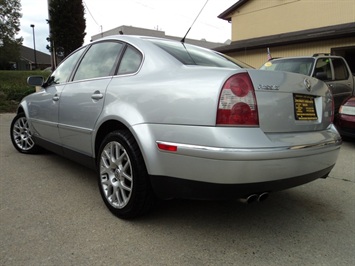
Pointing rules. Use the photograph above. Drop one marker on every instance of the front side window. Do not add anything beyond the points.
(99, 61)
(63, 71)
(323, 66)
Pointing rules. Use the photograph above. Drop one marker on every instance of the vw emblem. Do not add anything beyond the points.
(307, 84)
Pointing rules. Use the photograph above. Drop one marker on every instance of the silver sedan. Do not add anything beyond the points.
(161, 118)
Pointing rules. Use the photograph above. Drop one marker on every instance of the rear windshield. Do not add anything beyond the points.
(194, 55)
(295, 65)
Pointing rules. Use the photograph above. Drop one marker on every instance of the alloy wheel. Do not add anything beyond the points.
(116, 175)
(22, 134)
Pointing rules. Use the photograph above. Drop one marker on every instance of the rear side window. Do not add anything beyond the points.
(130, 61)
(99, 61)
(193, 55)
(340, 69)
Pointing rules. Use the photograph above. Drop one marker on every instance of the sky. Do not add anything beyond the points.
(172, 16)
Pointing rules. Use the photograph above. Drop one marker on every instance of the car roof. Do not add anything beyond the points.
(141, 41)
(311, 57)
(133, 38)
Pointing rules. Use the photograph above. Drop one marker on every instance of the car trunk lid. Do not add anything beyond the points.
(289, 102)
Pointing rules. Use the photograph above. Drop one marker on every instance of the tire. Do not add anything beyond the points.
(122, 176)
(21, 135)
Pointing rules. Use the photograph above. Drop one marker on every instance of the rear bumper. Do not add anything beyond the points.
(246, 154)
(246, 166)
(170, 188)
(244, 157)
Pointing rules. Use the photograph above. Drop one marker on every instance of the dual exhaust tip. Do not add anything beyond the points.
(255, 197)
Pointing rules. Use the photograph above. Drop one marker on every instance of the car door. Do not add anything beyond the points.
(340, 86)
(44, 108)
(82, 99)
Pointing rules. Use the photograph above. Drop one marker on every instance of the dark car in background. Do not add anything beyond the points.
(345, 121)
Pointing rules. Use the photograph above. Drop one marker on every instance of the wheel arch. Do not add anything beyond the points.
(113, 124)
(104, 129)
(22, 109)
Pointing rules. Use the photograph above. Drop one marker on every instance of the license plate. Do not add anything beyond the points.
(305, 108)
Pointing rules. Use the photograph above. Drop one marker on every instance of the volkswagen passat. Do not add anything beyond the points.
(161, 118)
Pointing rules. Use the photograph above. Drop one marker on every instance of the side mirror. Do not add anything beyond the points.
(35, 80)
(321, 75)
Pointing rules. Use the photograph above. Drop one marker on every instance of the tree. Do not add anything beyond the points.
(9, 26)
(67, 25)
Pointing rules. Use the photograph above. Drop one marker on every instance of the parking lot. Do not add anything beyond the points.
(51, 213)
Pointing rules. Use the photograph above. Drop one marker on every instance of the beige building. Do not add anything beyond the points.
(290, 28)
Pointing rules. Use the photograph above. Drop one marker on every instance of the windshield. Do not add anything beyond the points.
(194, 55)
(295, 65)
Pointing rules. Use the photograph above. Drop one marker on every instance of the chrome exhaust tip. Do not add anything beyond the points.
(255, 197)
(250, 199)
(263, 196)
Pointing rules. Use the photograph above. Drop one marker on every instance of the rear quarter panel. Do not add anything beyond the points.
(183, 95)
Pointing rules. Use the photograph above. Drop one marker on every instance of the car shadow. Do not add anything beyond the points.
(285, 210)
(281, 209)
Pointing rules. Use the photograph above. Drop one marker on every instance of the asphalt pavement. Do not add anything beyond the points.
(51, 213)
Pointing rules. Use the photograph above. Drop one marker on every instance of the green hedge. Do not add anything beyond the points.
(13, 87)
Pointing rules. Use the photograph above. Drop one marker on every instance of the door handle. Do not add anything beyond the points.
(97, 95)
(55, 98)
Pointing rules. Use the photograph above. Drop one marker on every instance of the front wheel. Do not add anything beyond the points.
(123, 178)
(21, 135)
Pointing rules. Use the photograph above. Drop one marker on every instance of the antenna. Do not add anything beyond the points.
(183, 39)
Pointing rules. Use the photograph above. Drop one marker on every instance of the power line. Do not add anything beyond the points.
(86, 6)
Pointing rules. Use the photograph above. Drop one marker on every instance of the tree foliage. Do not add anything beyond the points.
(67, 25)
(9, 26)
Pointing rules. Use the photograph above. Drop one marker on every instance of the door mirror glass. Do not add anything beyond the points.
(35, 80)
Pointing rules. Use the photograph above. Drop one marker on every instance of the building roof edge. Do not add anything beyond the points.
(317, 34)
(226, 14)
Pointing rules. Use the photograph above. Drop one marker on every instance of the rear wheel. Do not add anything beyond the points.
(123, 178)
(21, 135)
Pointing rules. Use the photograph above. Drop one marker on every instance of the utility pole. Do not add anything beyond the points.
(34, 44)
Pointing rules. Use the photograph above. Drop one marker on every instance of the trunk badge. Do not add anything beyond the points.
(307, 84)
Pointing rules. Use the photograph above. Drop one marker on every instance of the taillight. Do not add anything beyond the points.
(237, 102)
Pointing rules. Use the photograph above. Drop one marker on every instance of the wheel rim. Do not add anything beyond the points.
(116, 175)
(22, 134)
